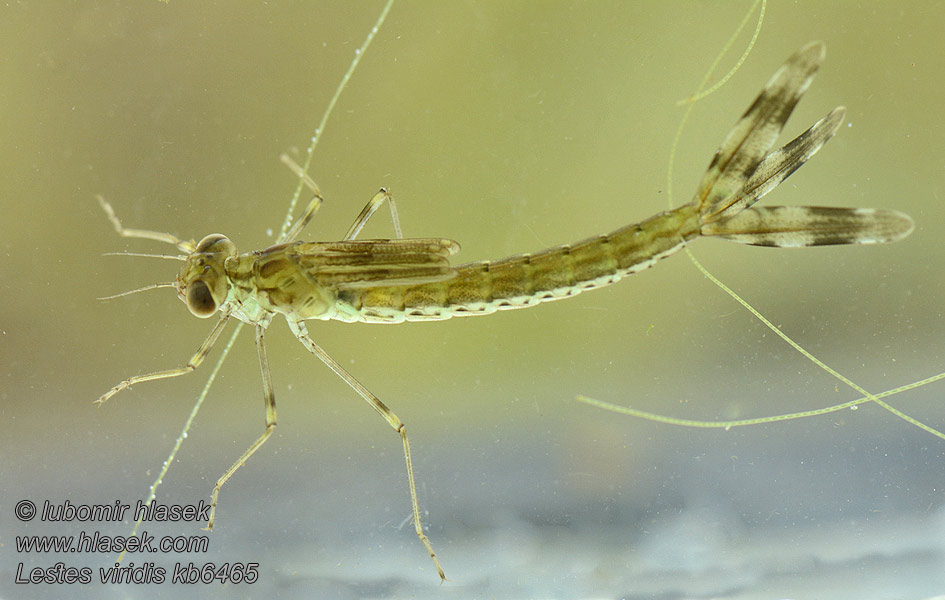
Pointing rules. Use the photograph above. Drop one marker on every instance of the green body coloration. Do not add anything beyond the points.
(392, 281)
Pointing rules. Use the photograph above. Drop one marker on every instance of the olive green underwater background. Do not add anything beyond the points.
(508, 127)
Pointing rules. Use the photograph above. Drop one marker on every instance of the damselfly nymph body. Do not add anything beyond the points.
(397, 280)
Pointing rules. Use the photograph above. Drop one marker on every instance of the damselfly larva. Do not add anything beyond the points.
(391, 281)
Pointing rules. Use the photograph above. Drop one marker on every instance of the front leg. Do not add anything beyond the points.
(192, 365)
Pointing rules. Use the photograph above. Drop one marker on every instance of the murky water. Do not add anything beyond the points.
(508, 128)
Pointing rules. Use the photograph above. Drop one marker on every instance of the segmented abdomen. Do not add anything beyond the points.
(527, 279)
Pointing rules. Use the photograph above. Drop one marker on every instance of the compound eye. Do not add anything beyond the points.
(199, 299)
(212, 243)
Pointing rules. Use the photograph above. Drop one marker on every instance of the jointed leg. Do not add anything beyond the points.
(312, 207)
(295, 168)
(368, 211)
(183, 245)
(194, 362)
(301, 332)
(270, 422)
